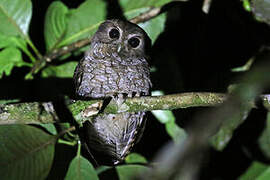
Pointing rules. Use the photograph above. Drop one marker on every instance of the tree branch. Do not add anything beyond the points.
(37, 113)
(153, 12)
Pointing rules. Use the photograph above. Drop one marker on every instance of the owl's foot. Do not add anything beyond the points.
(134, 94)
(119, 98)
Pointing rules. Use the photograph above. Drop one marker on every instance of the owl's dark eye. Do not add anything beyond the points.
(114, 33)
(134, 42)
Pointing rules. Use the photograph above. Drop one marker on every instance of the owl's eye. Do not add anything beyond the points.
(134, 42)
(114, 33)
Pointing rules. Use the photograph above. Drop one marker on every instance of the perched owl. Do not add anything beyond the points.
(115, 66)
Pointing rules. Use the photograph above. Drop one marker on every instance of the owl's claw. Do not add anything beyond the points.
(119, 98)
(130, 94)
(134, 94)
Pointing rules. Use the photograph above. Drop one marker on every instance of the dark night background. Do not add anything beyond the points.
(195, 53)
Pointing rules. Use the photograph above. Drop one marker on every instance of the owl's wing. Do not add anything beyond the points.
(132, 133)
(78, 75)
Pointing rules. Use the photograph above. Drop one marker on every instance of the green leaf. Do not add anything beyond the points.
(246, 5)
(62, 71)
(135, 158)
(14, 41)
(264, 139)
(102, 169)
(130, 6)
(15, 17)
(80, 168)
(55, 24)
(50, 128)
(255, 170)
(225, 133)
(265, 175)
(154, 27)
(130, 171)
(177, 134)
(11, 41)
(9, 58)
(26, 152)
(245, 67)
(163, 116)
(174, 131)
(166, 117)
(83, 21)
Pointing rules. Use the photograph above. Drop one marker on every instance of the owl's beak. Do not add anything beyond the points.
(119, 48)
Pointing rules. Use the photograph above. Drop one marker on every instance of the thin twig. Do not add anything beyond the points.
(72, 128)
(153, 12)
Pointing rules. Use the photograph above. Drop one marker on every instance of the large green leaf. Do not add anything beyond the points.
(55, 24)
(50, 128)
(80, 168)
(154, 27)
(227, 128)
(130, 171)
(265, 175)
(135, 158)
(264, 139)
(15, 17)
(11, 41)
(255, 170)
(62, 71)
(26, 152)
(83, 21)
(14, 41)
(9, 58)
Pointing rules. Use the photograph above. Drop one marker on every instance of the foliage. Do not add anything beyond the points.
(28, 152)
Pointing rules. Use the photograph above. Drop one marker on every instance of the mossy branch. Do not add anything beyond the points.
(37, 113)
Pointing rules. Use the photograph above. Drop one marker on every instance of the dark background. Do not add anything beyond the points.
(195, 53)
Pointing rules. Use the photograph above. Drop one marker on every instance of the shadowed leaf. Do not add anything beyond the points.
(26, 152)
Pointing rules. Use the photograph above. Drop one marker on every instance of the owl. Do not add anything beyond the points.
(115, 67)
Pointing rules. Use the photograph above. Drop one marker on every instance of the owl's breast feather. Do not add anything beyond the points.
(104, 77)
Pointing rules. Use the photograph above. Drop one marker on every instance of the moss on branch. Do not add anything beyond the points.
(37, 113)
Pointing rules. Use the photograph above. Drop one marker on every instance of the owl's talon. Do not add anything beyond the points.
(120, 98)
(130, 94)
(134, 94)
(138, 94)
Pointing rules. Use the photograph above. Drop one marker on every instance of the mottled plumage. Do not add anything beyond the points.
(115, 66)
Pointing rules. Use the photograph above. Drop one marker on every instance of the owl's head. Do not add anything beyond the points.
(123, 36)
